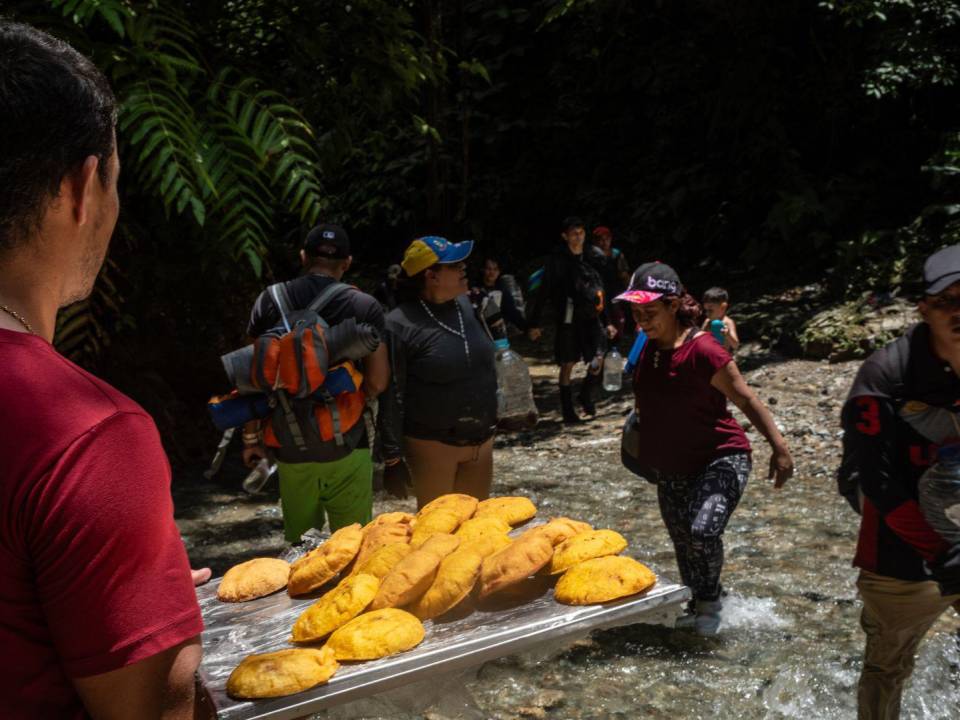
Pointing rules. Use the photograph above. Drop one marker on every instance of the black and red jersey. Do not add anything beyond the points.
(902, 406)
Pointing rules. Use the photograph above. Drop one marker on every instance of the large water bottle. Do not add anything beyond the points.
(613, 371)
(940, 494)
(515, 406)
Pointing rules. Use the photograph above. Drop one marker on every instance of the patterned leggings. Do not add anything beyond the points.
(695, 508)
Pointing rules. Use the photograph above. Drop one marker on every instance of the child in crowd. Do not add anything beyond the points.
(716, 301)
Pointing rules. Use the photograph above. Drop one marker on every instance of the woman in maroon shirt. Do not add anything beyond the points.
(689, 443)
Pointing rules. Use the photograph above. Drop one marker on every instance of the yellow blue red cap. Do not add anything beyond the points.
(432, 249)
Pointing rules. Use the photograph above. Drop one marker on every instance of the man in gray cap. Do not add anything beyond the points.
(902, 406)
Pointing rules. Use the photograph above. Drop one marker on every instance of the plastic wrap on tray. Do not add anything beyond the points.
(523, 618)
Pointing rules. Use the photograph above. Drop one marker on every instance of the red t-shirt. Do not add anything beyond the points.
(683, 420)
(93, 573)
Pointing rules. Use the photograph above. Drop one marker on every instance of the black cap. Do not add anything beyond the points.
(572, 222)
(941, 270)
(327, 241)
(650, 282)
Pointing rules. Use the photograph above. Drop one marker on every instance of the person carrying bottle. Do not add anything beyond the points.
(318, 489)
(688, 443)
(716, 302)
(439, 415)
(900, 395)
(572, 285)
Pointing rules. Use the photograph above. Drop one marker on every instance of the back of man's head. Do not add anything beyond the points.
(56, 109)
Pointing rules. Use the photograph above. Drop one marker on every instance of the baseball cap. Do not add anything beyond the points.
(941, 270)
(571, 222)
(432, 249)
(650, 282)
(602, 231)
(327, 240)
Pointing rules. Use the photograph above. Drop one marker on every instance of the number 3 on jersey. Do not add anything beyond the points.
(869, 415)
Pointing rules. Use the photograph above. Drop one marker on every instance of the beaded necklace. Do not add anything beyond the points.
(462, 334)
(657, 351)
(18, 317)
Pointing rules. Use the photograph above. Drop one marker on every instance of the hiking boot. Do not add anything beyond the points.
(707, 621)
(586, 394)
(570, 416)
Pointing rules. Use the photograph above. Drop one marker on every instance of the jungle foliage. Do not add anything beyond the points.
(767, 142)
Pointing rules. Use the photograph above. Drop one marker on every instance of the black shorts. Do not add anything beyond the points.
(582, 339)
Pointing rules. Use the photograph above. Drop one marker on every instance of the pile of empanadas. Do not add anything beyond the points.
(401, 569)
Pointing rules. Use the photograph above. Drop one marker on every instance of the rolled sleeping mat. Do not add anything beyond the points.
(233, 411)
(237, 365)
(350, 340)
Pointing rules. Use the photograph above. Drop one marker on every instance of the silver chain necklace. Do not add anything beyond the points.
(462, 334)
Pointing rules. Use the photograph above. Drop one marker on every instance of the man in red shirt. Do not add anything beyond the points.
(98, 615)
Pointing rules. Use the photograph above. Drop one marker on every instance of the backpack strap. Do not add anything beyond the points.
(332, 290)
(278, 291)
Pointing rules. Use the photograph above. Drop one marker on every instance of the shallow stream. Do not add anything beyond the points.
(790, 645)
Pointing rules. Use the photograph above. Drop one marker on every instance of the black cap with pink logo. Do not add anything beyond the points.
(650, 282)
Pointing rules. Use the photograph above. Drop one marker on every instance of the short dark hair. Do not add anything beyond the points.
(716, 295)
(56, 110)
(572, 222)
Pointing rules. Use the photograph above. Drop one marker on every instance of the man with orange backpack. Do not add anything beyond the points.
(320, 439)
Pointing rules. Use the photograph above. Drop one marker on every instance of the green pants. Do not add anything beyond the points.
(342, 489)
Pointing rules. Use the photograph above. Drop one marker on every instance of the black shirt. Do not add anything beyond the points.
(893, 421)
(438, 392)
(304, 290)
(559, 275)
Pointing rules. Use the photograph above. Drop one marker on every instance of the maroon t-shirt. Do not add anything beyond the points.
(93, 573)
(683, 420)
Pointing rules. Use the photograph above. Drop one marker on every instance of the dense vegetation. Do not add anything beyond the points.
(775, 141)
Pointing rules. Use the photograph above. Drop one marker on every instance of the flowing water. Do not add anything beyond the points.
(790, 645)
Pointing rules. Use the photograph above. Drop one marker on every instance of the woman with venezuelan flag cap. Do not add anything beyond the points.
(687, 442)
(438, 417)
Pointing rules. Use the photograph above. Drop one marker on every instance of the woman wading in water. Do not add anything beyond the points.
(688, 443)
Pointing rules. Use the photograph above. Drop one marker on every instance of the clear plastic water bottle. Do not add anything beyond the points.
(940, 494)
(258, 477)
(515, 405)
(613, 371)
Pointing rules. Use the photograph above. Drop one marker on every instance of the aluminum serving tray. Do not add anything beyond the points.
(519, 621)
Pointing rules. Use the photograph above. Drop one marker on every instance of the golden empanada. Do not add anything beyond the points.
(432, 523)
(603, 579)
(376, 634)
(455, 579)
(340, 605)
(390, 518)
(384, 560)
(519, 560)
(253, 579)
(322, 565)
(478, 527)
(380, 536)
(561, 528)
(512, 510)
(413, 575)
(584, 546)
(461, 505)
(281, 673)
